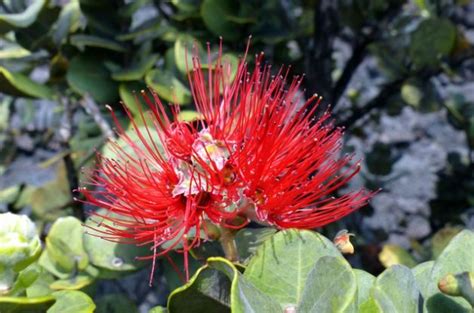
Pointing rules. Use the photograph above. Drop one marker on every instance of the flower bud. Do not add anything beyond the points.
(343, 242)
(19, 247)
(458, 285)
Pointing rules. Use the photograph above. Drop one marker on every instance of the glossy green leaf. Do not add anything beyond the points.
(127, 92)
(244, 296)
(216, 13)
(82, 41)
(249, 239)
(89, 75)
(330, 287)
(207, 291)
(434, 38)
(25, 305)
(137, 70)
(168, 87)
(74, 283)
(64, 244)
(396, 291)
(111, 255)
(72, 301)
(184, 47)
(17, 84)
(282, 263)
(10, 21)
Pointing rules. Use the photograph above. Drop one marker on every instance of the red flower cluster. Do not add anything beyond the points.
(257, 154)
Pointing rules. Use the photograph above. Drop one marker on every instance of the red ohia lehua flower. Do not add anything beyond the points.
(257, 154)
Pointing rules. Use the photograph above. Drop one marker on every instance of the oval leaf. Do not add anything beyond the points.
(88, 75)
(72, 301)
(330, 287)
(396, 290)
(16, 84)
(168, 86)
(245, 297)
(283, 262)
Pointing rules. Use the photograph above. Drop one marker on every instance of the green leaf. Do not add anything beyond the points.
(37, 35)
(365, 281)
(64, 244)
(158, 309)
(370, 306)
(207, 291)
(282, 264)
(126, 92)
(137, 70)
(249, 239)
(69, 21)
(82, 41)
(52, 266)
(13, 51)
(215, 15)
(87, 74)
(25, 279)
(17, 84)
(72, 283)
(168, 86)
(110, 255)
(330, 287)
(49, 201)
(72, 301)
(25, 305)
(457, 257)
(115, 303)
(396, 291)
(173, 278)
(207, 249)
(184, 47)
(189, 116)
(9, 194)
(24, 19)
(152, 139)
(442, 238)
(393, 254)
(433, 39)
(422, 273)
(244, 296)
(40, 287)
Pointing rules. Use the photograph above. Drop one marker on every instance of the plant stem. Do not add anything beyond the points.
(228, 244)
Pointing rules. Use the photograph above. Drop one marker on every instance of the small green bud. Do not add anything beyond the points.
(458, 285)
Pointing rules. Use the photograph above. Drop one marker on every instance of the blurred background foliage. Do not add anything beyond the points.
(398, 75)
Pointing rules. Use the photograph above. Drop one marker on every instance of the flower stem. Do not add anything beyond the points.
(227, 241)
